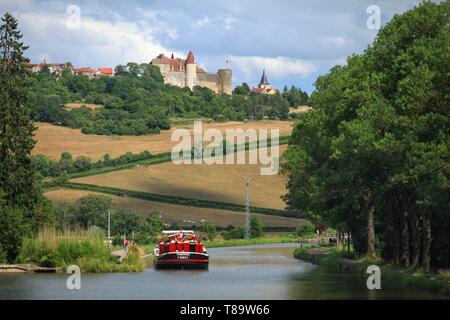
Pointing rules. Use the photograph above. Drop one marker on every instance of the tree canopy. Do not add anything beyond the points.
(22, 207)
(374, 151)
(136, 101)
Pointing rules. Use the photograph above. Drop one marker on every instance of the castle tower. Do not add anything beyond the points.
(191, 71)
(224, 81)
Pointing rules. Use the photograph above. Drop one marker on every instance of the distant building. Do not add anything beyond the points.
(94, 73)
(185, 73)
(55, 69)
(263, 86)
(104, 72)
(86, 71)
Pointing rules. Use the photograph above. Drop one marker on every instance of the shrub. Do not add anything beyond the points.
(305, 229)
(210, 230)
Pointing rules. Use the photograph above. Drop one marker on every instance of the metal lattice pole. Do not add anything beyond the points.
(247, 212)
(109, 224)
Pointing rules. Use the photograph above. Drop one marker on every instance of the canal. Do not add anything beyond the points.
(251, 272)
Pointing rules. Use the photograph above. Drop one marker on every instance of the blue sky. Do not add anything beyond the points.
(294, 40)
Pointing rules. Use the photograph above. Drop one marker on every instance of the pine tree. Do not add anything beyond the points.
(16, 128)
(23, 208)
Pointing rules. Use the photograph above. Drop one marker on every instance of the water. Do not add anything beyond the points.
(252, 272)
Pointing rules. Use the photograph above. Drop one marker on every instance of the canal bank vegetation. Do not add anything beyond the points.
(247, 242)
(371, 158)
(332, 257)
(86, 249)
(235, 236)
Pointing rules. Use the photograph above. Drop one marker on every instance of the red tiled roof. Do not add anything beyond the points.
(175, 63)
(83, 70)
(106, 70)
(190, 58)
(262, 90)
(200, 70)
(257, 90)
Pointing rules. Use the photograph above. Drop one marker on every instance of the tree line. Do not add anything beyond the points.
(372, 157)
(136, 101)
(66, 165)
(94, 211)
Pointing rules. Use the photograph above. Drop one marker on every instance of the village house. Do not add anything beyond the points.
(55, 69)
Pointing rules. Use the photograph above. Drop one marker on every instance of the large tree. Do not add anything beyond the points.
(22, 206)
(374, 151)
(16, 127)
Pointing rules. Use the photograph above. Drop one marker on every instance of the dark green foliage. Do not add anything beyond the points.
(16, 128)
(210, 230)
(256, 230)
(22, 206)
(242, 90)
(256, 227)
(92, 210)
(151, 227)
(305, 229)
(66, 165)
(125, 222)
(136, 102)
(295, 96)
(374, 151)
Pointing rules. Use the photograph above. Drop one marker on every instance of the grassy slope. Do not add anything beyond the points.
(180, 200)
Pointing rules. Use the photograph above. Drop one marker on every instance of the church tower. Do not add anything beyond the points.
(264, 83)
(191, 71)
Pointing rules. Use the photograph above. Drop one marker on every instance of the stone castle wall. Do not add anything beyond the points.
(220, 82)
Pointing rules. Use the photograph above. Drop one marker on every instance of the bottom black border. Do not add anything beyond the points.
(278, 309)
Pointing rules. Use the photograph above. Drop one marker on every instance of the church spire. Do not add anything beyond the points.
(264, 78)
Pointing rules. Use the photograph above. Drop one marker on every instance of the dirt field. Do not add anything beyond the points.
(71, 106)
(224, 183)
(53, 140)
(175, 213)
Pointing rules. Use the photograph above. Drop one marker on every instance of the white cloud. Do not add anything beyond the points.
(337, 42)
(95, 43)
(278, 67)
(202, 22)
(228, 23)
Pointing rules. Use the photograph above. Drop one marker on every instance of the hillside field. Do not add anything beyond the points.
(223, 183)
(175, 213)
(53, 140)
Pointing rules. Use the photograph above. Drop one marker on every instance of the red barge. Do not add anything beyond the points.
(180, 249)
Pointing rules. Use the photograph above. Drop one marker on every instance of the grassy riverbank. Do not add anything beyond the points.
(85, 249)
(332, 258)
(248, 242)
(241, 242)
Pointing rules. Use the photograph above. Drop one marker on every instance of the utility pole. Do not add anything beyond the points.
(109, 224)
(247, 212)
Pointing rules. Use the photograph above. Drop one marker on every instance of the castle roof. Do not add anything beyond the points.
(264, 79)
(176, 64)
(190, 58)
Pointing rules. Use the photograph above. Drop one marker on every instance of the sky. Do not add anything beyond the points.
(295, 41)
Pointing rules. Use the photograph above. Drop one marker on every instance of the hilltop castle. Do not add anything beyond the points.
(185, 73)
